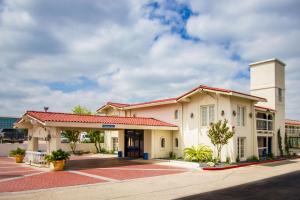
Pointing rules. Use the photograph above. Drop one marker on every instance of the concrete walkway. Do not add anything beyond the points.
(164, 187)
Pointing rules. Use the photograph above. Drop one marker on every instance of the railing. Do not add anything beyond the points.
(35, 158)
(264, 125)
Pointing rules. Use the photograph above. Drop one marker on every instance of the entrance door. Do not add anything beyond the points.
(134, 143)
(269, 146)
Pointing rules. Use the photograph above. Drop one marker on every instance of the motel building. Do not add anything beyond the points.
(170, 125)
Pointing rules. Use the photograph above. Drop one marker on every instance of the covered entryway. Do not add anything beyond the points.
(134, 143)
(142, 134)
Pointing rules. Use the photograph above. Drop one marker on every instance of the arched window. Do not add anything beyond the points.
(176, 142)
(176, 114)
(162, 142)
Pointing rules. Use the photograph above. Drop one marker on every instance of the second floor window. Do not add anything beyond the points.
(176, 114)
(241, 112)
(207, 115)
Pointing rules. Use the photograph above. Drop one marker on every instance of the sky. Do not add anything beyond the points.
(64, 53)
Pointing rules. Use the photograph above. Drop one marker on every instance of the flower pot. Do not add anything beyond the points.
(19, 158)
(57, 165)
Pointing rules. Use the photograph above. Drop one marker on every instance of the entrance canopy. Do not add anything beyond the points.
(68, 120)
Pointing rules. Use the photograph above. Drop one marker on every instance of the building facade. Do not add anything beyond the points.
(256, 118)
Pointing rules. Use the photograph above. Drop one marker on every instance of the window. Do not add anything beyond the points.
(207, 115)
(241, 147)
(115, 143)
(176, 114)
(176, 143)
(162, 142)
(241, 112)
(280, 95)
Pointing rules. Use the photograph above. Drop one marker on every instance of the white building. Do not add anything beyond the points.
(170, 125)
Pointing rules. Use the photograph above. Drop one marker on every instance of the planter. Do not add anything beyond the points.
(19, 158)
(57, 165)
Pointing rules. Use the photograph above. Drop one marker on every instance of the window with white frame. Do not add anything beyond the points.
(207, 115)
(162, 143)
(241, 146)
(176, 114)
(176, 143)
(241, 113)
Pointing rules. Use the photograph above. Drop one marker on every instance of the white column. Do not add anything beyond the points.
(121, 137)
(55, 142)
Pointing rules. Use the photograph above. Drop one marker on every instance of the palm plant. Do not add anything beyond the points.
(199, 153)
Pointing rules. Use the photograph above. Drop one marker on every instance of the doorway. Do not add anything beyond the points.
(134, 143)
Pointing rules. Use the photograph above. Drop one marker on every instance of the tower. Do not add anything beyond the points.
(267, 80)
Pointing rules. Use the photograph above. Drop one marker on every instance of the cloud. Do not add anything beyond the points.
(57, 55)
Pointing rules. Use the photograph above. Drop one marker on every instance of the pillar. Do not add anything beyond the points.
(55, 142)
(121, 143)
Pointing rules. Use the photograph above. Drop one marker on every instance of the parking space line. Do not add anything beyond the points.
(9, 172)
(93, 176)
(140, 169)
(22, 176)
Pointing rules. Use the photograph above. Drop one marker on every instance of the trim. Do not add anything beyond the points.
(266, 61)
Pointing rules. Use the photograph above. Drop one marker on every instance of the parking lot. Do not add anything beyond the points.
(79, 171)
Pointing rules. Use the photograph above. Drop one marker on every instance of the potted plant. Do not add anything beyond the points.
(57, 159)
(18, 154)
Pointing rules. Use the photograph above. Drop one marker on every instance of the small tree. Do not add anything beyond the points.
(219, 135)
(279, 140)
(286, 144)
(81, 110)
(97, 138)
(73, 136)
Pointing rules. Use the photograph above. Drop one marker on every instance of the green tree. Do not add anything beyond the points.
(81, 110)
(97, 137)
(219, 135)
(279, 140)
(73, 136)
(286, 144)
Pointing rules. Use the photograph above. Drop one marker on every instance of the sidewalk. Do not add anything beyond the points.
(166, 187)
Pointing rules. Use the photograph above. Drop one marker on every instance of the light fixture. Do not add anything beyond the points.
(192, 115)
(222, 113)
(234, 113)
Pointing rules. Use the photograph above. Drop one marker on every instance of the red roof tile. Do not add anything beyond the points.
(122, 105)
(264, 108)
(292, 122)
(68, 117)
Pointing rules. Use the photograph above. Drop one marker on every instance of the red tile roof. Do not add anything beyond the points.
(173, 100)
(292, 122)
(68, 117)
(264, 108)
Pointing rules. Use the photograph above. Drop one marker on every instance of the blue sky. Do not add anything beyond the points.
(65, 53)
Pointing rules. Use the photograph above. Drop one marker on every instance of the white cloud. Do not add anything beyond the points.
(114, 45)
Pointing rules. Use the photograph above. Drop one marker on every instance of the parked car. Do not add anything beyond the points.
(10, 135)
(64, 139)
(84, 137)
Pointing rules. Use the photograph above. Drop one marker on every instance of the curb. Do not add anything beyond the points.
(241, 165)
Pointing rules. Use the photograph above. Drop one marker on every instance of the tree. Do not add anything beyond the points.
(279, 140)
(219, 135)
(81, 110)
(97, 137)
(286, 144)
(73, 136)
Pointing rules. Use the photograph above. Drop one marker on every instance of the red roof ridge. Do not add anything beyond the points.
(263, 107)
(94, 115)
(177, 98)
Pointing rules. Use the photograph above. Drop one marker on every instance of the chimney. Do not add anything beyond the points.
(46, 108)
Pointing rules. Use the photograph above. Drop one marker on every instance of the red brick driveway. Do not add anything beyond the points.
(79, 171)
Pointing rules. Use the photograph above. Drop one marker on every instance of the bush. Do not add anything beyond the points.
(17, 152)
(172, 155)
(57, 155)
(252, 159)
(227, 160)
(200, 153)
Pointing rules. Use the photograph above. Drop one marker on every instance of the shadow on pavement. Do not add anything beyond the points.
(285, 187)
(275, 164)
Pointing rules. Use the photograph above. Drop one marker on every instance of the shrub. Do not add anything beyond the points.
(17, 152)
(200, 153)
(172, 155)
(237, 159)
(252, 159)
(227, 160)
(57, 155)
